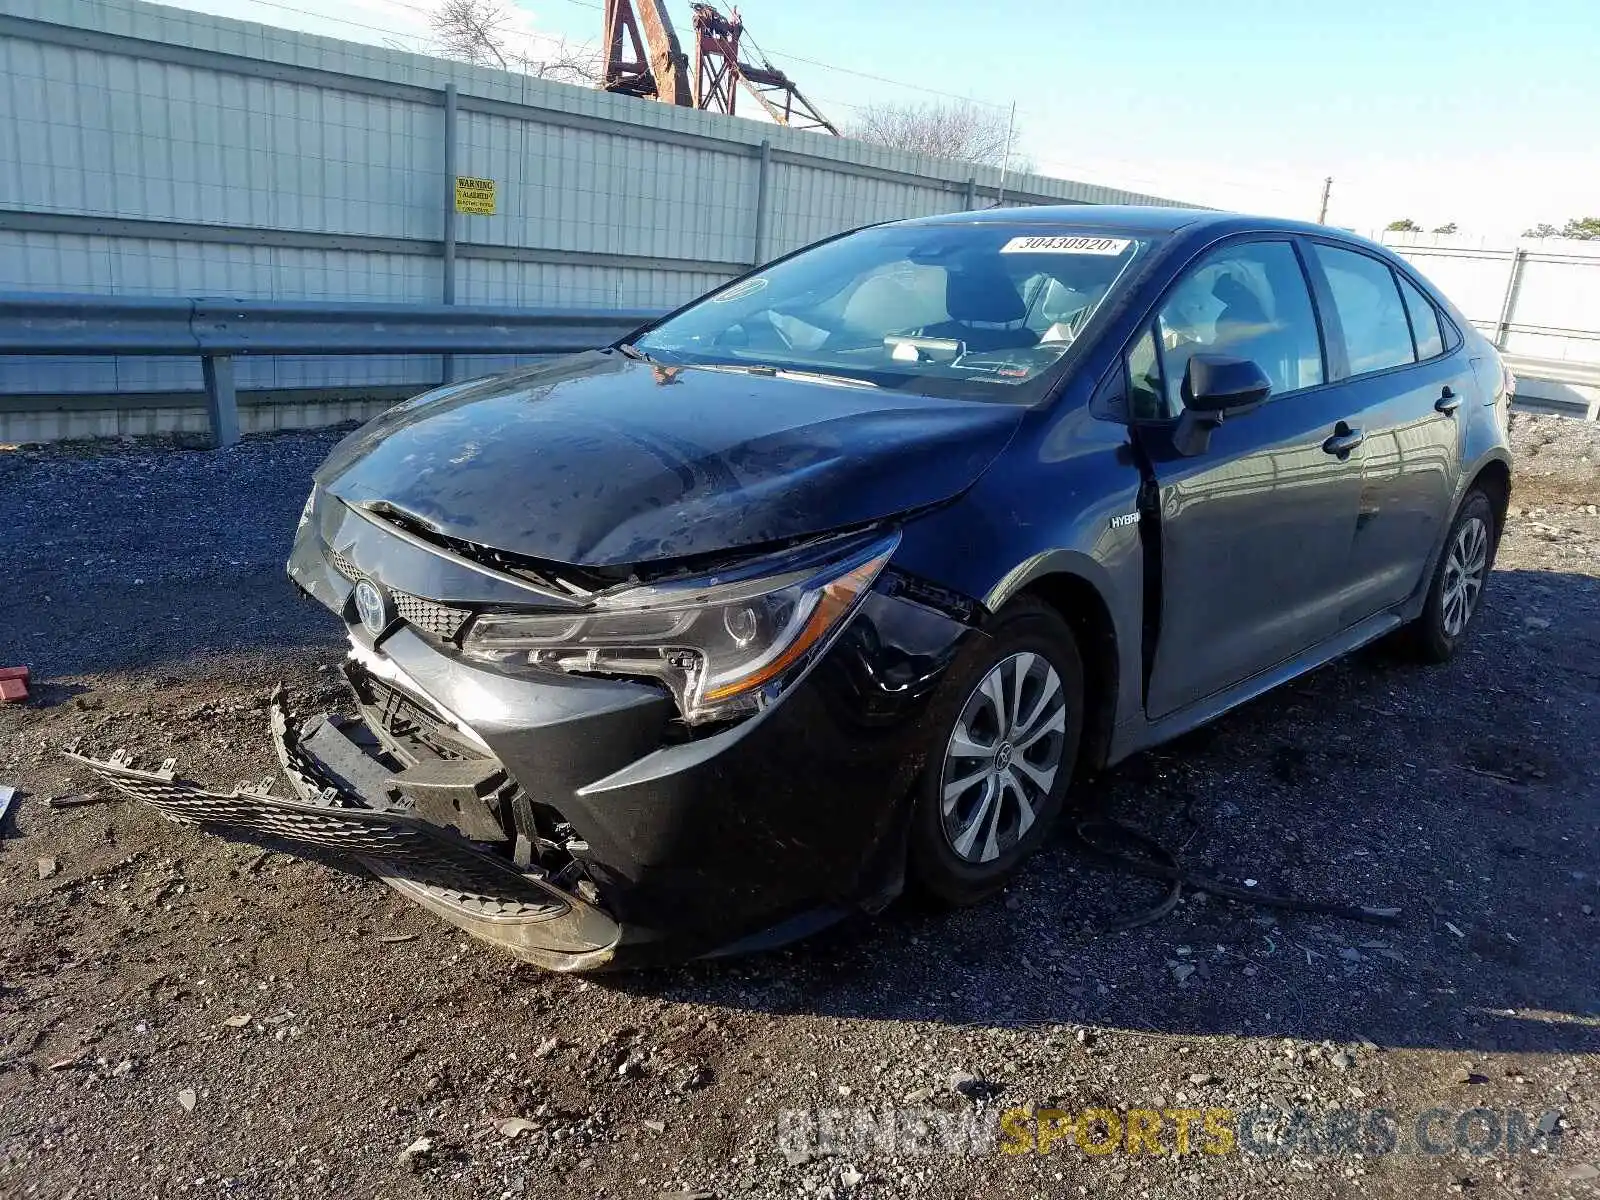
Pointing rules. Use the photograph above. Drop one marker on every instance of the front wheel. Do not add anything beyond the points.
(1458, 581)
(1010, 714)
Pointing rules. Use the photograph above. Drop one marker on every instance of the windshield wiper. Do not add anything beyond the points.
(634, 352)
(768, 371)
(824, 377)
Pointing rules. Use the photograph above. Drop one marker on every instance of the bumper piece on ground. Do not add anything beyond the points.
(342, 807)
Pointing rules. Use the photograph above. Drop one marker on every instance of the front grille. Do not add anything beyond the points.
(443, 621)
(343, 565)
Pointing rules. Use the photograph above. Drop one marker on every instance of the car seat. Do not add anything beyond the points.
(986, 310)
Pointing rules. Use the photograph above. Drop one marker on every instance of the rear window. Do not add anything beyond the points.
(1424, 321)
(1376, 333)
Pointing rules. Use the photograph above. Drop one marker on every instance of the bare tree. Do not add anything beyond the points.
(473, 31)
(480, 32)
(562, 62)
(974, 133)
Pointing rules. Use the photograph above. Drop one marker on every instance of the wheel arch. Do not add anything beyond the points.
(1494, 479)
(1080, 603)
(1490, 474)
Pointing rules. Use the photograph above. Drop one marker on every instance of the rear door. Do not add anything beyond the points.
(1405, 373)
(1256, 528)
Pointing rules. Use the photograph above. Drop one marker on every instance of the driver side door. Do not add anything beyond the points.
(1255, 526)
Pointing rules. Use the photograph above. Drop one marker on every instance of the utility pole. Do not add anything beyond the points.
(1005, 157)
(1322, 213)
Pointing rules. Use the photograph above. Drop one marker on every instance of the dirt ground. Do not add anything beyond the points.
(183, 1016)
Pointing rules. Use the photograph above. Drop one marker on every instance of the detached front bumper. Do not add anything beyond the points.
(338, 809)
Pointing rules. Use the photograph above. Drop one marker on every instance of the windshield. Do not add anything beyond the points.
(988, 306)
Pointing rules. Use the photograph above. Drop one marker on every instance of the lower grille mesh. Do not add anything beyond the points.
(396, 845)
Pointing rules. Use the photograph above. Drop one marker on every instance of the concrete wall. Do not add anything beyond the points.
(151, 150)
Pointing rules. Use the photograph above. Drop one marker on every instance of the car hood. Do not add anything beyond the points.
(599, 460)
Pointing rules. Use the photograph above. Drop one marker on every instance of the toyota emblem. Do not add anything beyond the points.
(372, 606)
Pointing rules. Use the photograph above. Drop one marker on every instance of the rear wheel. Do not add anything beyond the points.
(1010, 719)
(1458, 581)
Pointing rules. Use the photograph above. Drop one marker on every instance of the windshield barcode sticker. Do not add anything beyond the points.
(1065, 245)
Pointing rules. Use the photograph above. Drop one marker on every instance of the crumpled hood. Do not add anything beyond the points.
(597, 460)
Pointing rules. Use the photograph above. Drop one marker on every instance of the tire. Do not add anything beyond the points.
(1455, 594)
(1028, 753)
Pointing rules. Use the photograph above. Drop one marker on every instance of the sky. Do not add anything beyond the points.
(1475, 112)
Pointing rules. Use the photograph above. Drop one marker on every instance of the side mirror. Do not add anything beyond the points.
(1221, 385)
(1216, 386)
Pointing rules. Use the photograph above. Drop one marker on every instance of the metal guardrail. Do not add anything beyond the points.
(1563, 387)
(216, 331)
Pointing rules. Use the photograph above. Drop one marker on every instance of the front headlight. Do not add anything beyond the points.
(723, 647)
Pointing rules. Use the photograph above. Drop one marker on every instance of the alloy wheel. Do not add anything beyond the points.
(1003, 757)
(1463, 575)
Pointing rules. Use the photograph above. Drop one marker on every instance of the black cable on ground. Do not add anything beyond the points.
(1160, 863)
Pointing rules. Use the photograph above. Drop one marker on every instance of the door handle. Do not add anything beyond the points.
(1448, 401)
(1344, 440)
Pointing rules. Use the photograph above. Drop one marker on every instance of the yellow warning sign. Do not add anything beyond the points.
(475, 196)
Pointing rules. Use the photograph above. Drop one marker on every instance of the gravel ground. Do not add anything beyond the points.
(181, 1016)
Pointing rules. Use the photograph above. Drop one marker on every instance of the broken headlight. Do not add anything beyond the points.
(723, 646)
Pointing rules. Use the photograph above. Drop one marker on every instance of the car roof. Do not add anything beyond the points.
(1131, 218)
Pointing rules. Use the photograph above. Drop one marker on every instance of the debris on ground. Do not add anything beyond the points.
(75, 801)
(13, 685)
(419, 1155)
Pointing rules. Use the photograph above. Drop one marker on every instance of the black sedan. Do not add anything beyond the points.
(832, 581)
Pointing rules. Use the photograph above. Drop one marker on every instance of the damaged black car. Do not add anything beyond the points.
(831, 582)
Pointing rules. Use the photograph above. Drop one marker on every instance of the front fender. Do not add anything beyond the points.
(1061, 502)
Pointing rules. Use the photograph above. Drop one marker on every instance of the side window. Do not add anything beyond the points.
(1452, 336)
(1376, 333)
(1424, 321)
(1145, 398)
(1248, 300)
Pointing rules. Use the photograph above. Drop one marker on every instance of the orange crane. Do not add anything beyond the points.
(643, 58)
